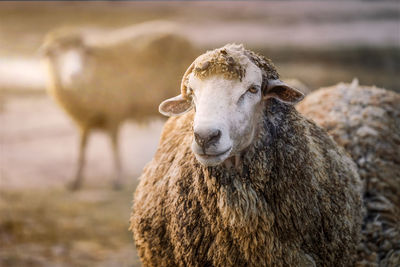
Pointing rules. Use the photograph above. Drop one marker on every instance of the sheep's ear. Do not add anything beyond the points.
(281, 91)
(175, 106)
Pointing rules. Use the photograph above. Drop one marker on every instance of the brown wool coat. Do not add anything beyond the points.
(295, 202)
(365, 120)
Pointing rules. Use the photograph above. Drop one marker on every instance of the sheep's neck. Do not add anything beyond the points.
(239, 183)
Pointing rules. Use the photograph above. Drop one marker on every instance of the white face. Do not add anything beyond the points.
(226, 114)
(70, 64)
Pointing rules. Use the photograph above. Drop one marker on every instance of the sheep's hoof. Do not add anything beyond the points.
(117, 185)
(73, 186)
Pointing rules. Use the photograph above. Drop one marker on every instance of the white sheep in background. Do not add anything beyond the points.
(366, 122)
(243, 179)
(103, 78)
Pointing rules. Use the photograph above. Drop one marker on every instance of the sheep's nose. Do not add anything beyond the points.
(207, 138)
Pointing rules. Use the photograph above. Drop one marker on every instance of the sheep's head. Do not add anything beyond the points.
(61, 41)
(68, 52)
(228, 88)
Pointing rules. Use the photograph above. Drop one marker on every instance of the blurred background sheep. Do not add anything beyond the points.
(318, 43)
(102, 79)
(366, 122)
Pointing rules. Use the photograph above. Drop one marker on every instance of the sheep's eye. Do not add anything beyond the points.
(253, 89)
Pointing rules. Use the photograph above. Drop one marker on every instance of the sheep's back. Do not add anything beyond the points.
(133, 79)
(366, 122)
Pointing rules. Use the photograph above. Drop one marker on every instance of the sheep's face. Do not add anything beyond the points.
(227, 110)
(226, 114)
(68, 57)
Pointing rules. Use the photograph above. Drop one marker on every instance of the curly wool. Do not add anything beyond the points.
(294, 203)
(366, 122)
(228, 61)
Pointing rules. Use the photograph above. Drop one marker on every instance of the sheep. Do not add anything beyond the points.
(366, 122)
(240, 178)
(101, 79)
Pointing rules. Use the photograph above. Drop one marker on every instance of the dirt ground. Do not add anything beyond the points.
(54, 227)
(44, 224)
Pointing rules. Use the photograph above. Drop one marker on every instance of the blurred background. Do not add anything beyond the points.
(312, 43)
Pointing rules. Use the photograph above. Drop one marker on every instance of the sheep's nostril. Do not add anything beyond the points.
(207, 138)
(214, 137)
(199, 140)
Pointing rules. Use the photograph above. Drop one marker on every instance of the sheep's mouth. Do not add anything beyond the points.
(217, 155)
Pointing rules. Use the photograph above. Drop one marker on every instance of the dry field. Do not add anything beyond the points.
(41, 222)
(44, 224)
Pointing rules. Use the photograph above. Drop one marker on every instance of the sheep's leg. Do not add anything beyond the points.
(76, 184)
(117, 183)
